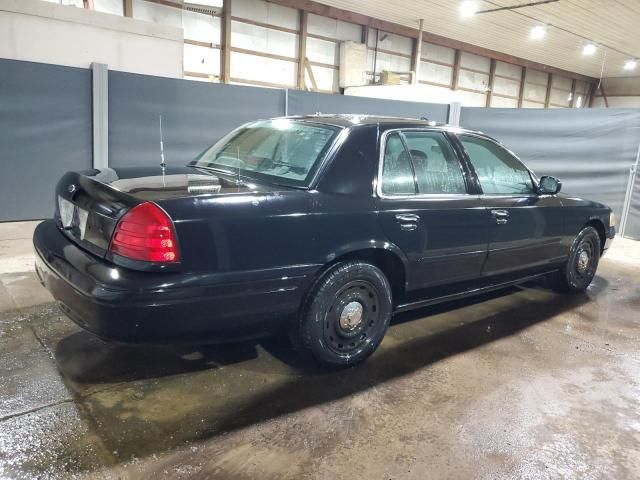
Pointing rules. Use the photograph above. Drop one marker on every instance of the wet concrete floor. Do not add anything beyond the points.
(523, 383)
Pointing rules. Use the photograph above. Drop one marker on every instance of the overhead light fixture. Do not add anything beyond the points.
(589, 49)
(538, 32)
(630, 64)
(468, 8)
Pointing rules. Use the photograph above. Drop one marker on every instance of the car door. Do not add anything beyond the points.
(425, 208)
(525, 228)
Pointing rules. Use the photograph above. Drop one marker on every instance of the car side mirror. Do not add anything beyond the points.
(549, 185)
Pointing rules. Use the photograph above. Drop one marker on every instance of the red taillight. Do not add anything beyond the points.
(146, 233)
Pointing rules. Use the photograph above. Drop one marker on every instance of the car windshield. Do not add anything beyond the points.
(282, 150)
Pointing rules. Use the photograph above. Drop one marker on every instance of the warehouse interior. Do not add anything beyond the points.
(517, 383)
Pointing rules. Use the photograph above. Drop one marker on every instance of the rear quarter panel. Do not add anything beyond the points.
(243, 231)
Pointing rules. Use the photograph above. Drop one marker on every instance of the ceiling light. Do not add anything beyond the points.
(468, 8)
(630, 64)
(538, 32)
(589, 49)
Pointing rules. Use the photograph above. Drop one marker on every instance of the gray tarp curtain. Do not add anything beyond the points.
(309, 103)
(590, 150)
(196, 114)
(45, 130)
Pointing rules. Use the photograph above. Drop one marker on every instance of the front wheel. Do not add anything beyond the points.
(581, 266)
(345, 316)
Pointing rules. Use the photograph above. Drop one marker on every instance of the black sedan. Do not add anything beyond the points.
(323, 226)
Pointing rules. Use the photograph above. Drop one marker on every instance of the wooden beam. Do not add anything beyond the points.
(312, 77)
(523, 79)
(127, 8)
(225, 37)
(365, 35)
(547, 97)
(198, 43)
(264, 25)
(592, 93)
(456, 70)
(572, 102)
(417, 54)
(302, 48)
(264, 54)
(492, 79)
(360, 19)
(604, 96)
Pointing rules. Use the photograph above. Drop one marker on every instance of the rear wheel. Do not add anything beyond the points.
(345, 316)
(581, 266)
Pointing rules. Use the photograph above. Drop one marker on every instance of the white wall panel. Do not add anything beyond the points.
(323, 51)
(535, 92)
(534, 76)
(202, 59)
(203, 28)
(503, 86)
(438, 53)
(113, 7)
(51, 33)
(209, 3)
(266, 12)
(527, 104)
(476, 62)
(560, 97)
(501, 102)
(472, 99)
(473, 80)
(435, 73)
(263, 69)
(391, 42)
(582, 87)
(561, 82)
(252, 37)
(386, 61)
(327, 79)
(160, 14)
(508, 70)
(329, 27)
(618, 102)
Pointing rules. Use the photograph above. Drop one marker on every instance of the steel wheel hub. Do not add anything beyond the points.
(351, 316)
(583, 261)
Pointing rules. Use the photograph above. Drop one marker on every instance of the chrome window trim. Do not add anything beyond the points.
(415, 196)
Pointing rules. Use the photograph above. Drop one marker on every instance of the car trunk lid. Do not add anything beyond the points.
(89, 204)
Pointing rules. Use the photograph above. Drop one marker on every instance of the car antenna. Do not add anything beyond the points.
(238, 158)
(163, 164)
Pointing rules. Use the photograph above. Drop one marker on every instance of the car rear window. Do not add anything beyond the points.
(282, 150)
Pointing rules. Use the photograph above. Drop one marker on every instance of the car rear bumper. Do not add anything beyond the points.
(130, 306)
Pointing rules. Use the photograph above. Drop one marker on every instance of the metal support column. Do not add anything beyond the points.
(629, 193)
(100, 108)
(453, 117)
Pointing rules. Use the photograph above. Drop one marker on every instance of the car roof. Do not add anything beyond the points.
(346, 120)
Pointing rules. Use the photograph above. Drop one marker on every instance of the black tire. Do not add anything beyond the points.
(345, 315)
(581, 266)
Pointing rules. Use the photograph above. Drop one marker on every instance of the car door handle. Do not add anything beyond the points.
(407, 218)
(501, 216)
(408, 221)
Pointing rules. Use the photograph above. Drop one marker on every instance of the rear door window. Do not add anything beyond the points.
(436, 166)
(397, 172)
